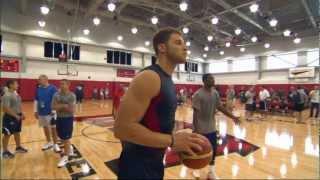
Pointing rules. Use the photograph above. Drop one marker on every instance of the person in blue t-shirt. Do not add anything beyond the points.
(44, 113)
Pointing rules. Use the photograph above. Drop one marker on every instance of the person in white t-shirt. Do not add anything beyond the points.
(263, 96)
(315, 101)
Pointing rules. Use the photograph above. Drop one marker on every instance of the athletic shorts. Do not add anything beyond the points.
(140, 163)
(79, 99)
(250, 107)
(10, 125)
(47, 121)
(64, 127)
(263, 105)
(298, 107)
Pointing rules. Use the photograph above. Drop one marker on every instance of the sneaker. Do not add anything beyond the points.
(56, 148)
(212, 175)
(196, 174)
(63, 161)
(47, 146)
(21, 150)
(7, 155)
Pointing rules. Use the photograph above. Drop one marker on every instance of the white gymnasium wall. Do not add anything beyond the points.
(11, 45)
(279, 45)
(91, 66)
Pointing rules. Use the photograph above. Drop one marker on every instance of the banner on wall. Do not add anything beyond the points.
(302, 72)
(9, 65)
(129, 73)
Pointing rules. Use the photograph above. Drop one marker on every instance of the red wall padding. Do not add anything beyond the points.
(27, 87)
(276, 87)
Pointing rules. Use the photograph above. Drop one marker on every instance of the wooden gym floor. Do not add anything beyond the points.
(286, 149)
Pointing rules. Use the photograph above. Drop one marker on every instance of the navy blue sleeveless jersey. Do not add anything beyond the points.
(137, 161)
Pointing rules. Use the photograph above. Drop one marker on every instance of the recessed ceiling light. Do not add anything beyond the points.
(111, 7)
(134, 30)
(254, 39)
(120, 38)
(206, 48)
(96, 21)
(215, 20)
(286, 33)
(297, 40)
(254, 8)
(42, 23)
(44, 9)
(210, 38)
(228, 44)
(273, 22)
(237, 31)
(242, 49)
(185, 30)
(147, 43)
(221, 53)
(188, 43)
(86, 31)
(154, 20)
(204, 55)
(183, 6)
(267, 45)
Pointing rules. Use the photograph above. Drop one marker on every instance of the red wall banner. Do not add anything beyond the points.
(126, 73)
(9, 65)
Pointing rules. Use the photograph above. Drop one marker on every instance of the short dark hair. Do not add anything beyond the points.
(10, 82)
(205, 76)
(162, 36)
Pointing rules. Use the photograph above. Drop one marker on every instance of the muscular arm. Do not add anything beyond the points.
(9, 111)
(132, 108)
(58, 106)
(6, 106)
(226, 112)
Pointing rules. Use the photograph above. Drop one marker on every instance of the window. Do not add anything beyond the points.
(75, 52)
(123, 57)
(54, 49)
(191, 67)
(109, 56)
(218, 67)
(1, 44)
(129, 58)
(48, 49)
(281, 61)
(244, 65)
(313, 57)
(118, 57)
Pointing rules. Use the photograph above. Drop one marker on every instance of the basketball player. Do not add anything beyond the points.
(250, 103)
(263, 97)
(205, 102)
(44, 113)
(79, 92)
(12, 119)
(64, 103)
(231, 95)
(147, 113)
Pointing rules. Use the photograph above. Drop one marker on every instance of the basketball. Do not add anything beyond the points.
(201, 160)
